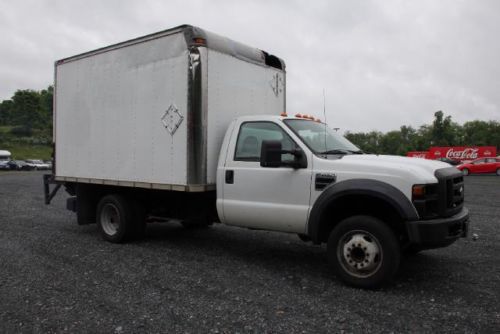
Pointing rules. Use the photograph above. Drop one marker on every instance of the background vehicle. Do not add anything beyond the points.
(4, 159)
(48, 163)
(480, 166)
(19, 165)
(449, 161)
(160, 136)
(37, 164)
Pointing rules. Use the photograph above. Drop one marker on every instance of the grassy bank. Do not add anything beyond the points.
(22, 152)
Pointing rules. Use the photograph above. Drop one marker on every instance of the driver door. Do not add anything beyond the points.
(261, 197)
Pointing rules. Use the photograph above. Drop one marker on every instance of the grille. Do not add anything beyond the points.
(443, 199)
(451, 191)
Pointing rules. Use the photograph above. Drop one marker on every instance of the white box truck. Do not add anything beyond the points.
(185, 124)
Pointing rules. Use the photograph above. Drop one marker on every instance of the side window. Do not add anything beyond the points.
(251, 136)
(479, 162)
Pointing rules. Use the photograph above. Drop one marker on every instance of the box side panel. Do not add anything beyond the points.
(238, 88)
(109, 113)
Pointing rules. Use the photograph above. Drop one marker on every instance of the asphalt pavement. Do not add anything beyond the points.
(56, 276)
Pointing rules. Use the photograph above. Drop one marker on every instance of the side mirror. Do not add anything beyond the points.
(270, 156)
(270, 153)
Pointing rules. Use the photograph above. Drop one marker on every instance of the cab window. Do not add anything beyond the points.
(250, 139)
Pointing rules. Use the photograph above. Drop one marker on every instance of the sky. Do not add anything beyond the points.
(381, 64)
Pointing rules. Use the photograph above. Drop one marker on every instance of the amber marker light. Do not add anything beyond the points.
(418, 191)
(298, 115)
(283, 114)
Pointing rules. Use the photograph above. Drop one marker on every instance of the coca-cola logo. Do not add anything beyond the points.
(422, 155)
(468, 153)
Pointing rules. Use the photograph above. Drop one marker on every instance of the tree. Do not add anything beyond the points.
(28, 110)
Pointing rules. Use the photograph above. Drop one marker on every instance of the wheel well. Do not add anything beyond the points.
(354, 205)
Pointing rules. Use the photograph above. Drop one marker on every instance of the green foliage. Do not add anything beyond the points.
(26, 124)
(28, 109)
(23, 151)
(442, 132)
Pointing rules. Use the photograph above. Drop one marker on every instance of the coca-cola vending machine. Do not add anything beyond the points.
(462, 153)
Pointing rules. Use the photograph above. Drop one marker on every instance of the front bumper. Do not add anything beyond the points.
(435, 233)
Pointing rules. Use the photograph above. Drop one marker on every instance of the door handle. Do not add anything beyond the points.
(229, 176)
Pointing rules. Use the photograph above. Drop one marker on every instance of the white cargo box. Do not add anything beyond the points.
(152, 112)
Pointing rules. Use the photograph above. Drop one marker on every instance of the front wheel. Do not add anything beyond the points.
(364, 251)
(465, 171)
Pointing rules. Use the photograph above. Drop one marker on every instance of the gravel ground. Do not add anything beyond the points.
(56, 276)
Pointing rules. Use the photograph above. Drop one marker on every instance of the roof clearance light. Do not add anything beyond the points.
(283, 114)
(317, 120)
(298, 115)
(199, 40)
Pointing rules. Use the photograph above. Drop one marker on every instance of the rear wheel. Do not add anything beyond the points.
(465, 171)
(364, 251)
(115, 218)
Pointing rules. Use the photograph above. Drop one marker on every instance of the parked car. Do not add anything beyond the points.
(37, 164)
(4, 165)
(480, 166)
(19, 165)
(449, 161)
(49, 163)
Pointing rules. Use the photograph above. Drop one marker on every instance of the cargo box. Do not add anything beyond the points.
(152, 112)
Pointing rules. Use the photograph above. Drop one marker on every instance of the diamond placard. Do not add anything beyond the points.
(171, 119)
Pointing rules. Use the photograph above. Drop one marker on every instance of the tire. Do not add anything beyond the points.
(498, 171)
(364, 252)
(465, 171)
(115, 218)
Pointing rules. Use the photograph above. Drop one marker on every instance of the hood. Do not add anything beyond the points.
(417, 170)
(400, 162)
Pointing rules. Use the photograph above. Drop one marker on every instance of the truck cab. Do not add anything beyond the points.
(295, 174)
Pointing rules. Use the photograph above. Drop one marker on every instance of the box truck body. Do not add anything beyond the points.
(152, 112)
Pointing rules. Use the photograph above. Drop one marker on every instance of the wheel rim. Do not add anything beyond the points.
(110, 219)
(360, 253)
(465, 171)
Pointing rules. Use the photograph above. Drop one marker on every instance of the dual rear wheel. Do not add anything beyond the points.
(120, 219)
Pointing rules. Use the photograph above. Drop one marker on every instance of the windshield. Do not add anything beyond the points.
(320, 142)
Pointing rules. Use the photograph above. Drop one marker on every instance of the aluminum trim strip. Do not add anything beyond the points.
(174, 187)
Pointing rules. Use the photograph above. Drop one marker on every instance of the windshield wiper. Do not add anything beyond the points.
(356, 152)
(339, 151)
(335, 151)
